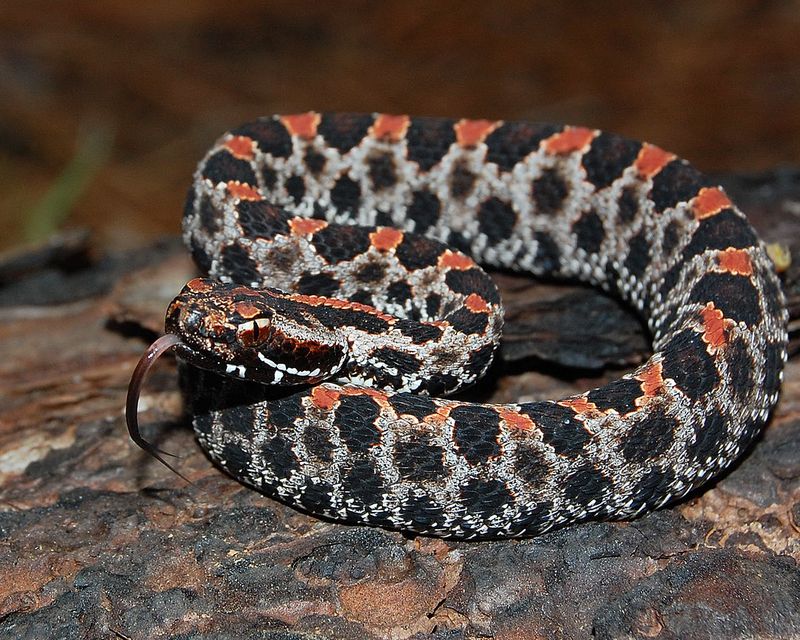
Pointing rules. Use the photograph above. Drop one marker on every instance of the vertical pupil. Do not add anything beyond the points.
(249, 333)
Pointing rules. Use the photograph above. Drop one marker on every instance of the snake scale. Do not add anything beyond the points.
(343, 294)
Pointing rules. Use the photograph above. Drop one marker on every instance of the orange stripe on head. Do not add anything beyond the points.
(569, 140)
(735, 261)
(455, 260)
(302, 125)
(476, 304)
(240, 147)
(242, 191)
(715, 325)
(324, 398)
(365, 308)
(652, 159)
(579, 404)
(515, 420)
(652, 382)
(386, 238)
(305, 298)
(388, 127)
(709, 202)
(303, 226)
(470, 133)
(338, 303)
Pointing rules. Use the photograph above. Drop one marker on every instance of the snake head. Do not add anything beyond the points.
(253, 334)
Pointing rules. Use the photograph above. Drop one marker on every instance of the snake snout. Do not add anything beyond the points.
(192, 319)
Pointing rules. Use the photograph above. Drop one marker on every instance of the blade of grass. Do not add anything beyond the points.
(91, 153)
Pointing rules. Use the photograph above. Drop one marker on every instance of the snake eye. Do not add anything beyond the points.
(253, 332)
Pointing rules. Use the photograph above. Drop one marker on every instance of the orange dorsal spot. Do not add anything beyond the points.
(243, 191)
(324, 398)
(735, 261)
(516, 420)
(709, 202)
(302, 125)
(714, 326)
(388, 127)
(455, 260)
(569, 140)
(470, 133)
(652, 382)
(443, 411)
(378, 396)
(476, 304)
(652, 159)
(240, 147)
(436, 419)
(246, 310)
(579, 404)
(386, 238)
(304, 226)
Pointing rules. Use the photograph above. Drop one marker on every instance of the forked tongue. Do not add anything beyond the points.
(154, 351)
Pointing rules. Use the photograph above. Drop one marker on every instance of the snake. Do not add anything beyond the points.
(344, 298)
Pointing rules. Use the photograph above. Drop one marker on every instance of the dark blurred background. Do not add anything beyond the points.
(105, 107)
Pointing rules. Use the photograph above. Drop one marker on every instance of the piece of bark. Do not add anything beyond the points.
(99, 540)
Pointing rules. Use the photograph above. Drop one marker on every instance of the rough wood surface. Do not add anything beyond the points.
(98, 540)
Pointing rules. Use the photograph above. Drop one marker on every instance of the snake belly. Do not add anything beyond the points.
(548, 200)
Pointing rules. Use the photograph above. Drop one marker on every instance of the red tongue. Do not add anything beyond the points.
(154, 351)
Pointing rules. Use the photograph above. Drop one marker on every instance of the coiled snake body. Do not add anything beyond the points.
(389, 316)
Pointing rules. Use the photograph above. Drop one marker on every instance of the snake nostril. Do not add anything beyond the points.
(193, 320)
